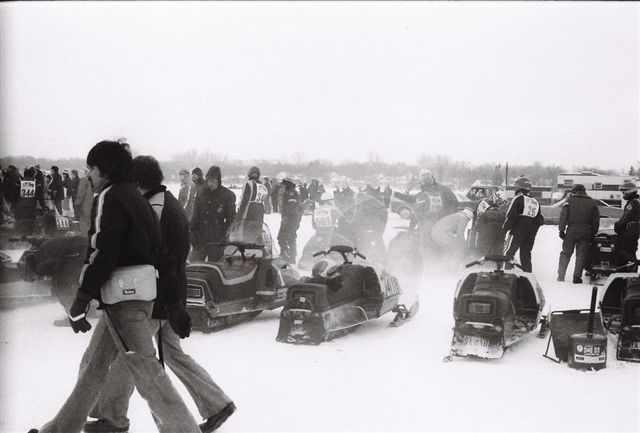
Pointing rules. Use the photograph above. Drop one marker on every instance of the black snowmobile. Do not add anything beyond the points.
(493, 308)
(250, 278)
(338, 298)
(602, 256)
(620, 307)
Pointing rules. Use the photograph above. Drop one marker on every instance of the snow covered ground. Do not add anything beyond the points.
(375, 379)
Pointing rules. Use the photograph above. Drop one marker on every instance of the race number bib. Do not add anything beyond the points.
(531, 207)
(261, 193)
(322, 218)
(27, 189)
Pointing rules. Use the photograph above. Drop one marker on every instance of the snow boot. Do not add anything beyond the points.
(577, 280)
(215, 421)
(102, 426)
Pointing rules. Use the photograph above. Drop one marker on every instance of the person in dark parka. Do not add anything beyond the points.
(628, 226)
(579, 223)
(213, 212)
(291, 216)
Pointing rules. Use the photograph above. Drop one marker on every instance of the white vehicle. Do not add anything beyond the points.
(598, 186)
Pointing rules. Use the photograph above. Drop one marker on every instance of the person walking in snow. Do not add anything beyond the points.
(212, 403)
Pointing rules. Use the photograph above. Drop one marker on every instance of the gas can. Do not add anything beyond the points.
(587, 352)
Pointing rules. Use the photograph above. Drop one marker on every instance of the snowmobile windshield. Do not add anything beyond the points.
(362, 224)
(250, 236)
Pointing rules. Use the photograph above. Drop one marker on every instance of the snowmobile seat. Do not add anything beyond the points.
(525, 301)
(351, 288)
(372, 290)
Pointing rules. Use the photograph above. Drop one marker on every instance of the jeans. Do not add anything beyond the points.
(113, 402)
(126, 325)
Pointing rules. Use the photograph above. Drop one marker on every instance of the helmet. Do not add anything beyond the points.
(425, 176)
(323, 268)
(523, 183)
(629, 187)
(498, 198)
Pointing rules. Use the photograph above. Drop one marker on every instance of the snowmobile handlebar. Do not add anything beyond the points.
(494, 258)
(343, 250)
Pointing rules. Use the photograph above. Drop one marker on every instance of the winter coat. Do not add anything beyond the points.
(213, 213)
(579, 216)
(524, 215)
(125, 232)
(73, 188)
(448, 232)
(488, 225)
(174, 227)
(84, 201)
(187, 197)
(291, 210)
(56, 187)
(11, 187)
(628, 225)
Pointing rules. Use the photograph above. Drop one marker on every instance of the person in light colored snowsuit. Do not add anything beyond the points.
(448, 232)
(187, 193)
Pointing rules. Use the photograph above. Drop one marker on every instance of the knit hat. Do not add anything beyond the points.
(629, 187)
(578, 187)
(214, 172)
(254, 173)
(197, 171)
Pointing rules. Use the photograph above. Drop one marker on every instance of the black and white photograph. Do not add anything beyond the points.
(319, 216)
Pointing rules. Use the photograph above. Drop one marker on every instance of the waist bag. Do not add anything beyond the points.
(130, 283)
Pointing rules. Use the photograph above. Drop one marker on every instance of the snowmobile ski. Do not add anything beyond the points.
(403, 314)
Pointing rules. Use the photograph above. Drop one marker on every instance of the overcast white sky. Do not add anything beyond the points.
(482, 82)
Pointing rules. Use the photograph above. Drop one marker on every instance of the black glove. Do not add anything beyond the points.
(77, 316)
(562, 235)
(179, 319)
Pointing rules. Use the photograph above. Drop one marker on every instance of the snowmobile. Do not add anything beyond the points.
(337, 298)
(250, 278)
(602, 261)
(494, 308)
(620, 307)
(18, 249)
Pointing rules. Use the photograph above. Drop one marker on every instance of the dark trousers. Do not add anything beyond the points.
(58, 204)
(520, 241)
(287, 240)
(581, 246)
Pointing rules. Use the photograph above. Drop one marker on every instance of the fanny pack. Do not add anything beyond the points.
(130, 283)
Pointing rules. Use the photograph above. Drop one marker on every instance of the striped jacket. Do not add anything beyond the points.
(125, 232)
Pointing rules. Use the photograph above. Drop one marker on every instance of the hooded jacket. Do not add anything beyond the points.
(213, 211)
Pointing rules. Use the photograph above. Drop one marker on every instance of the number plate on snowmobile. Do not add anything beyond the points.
(606, 249)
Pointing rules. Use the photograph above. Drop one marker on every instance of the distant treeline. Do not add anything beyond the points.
(445, 170)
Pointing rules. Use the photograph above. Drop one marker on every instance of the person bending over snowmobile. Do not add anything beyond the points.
(486, 235)
(628, 227)
(448, 233)
(523, 221)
